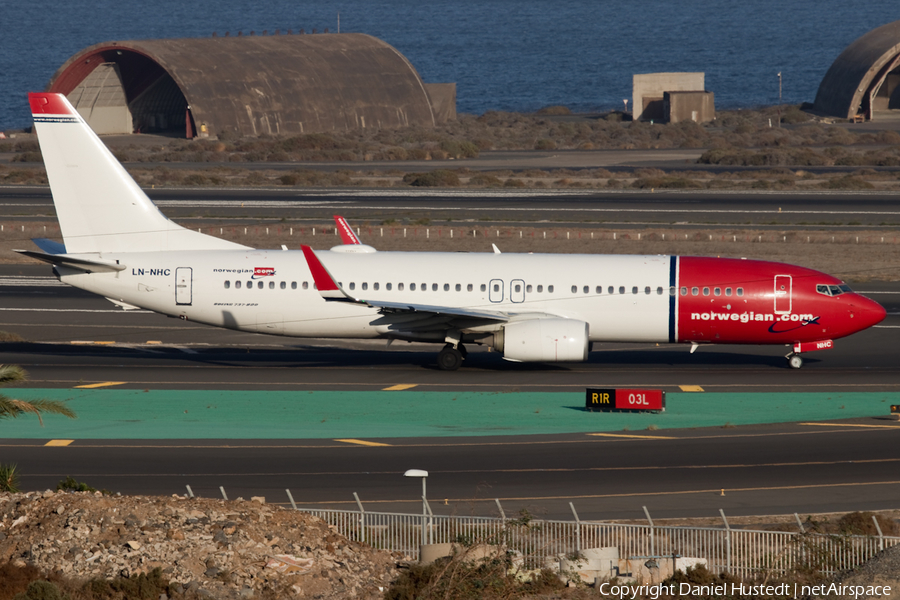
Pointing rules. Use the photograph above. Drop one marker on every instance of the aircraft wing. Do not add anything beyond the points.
(414, 315)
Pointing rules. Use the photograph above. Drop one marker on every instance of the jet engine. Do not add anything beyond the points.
(544, 340)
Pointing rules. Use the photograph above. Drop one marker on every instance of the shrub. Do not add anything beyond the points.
(485, 180)
(545, 144)
(437, 178)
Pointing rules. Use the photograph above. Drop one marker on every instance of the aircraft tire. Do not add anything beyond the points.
(795, 361)
(449, 358)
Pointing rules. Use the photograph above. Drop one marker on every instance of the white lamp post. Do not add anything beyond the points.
(424, 476)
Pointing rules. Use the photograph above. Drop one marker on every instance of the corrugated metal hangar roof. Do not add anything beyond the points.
(864, 78)
(276, 84)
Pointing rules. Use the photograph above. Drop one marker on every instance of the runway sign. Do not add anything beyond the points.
(613, 400)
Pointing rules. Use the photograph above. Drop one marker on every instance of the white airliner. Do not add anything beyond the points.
(530, 307)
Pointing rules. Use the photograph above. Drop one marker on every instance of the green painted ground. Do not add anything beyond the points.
(158, 414)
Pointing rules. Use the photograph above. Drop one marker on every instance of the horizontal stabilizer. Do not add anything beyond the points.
(82, 264)
(49, 246)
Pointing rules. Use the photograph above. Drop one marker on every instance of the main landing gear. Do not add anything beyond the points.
(794, 360)
(450, 358)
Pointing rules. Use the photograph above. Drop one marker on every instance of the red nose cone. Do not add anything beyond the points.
(868, 312)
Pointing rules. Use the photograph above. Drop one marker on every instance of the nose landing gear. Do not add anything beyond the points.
(794, 360)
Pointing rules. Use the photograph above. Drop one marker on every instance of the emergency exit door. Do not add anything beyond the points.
(183, 285)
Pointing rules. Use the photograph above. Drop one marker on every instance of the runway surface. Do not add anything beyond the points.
(576, 208)
(77, 339)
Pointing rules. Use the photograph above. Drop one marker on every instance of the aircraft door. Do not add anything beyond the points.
(782, 294)
(495, 291)
(183, 286)
(517, 290)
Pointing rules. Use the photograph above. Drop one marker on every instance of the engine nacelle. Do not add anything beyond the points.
(544, 340)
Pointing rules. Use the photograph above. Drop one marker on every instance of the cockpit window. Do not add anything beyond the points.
(832, 290)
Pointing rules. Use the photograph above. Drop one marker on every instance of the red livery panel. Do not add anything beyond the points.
(733, 301)
(48, 104)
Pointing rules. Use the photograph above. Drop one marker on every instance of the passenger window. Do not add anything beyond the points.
(740, 291)
(434, 287)
(599, 289)
(496, 287)
(458, 287)
(540, 289)
(237, 285)
(387, 286)
(424, 287)
(672, 290)
(283, 285)
(527, 288)
(634, 290)
(706, 291)
(518, 288)
(447, 287)
(412, 287)
(574, 289)
(621, 289)
(365, 285)
(647, 290)
(695, 291)
(271, 285)
(259, 285)
(470, 287)
(227, 284)
(549, 289)
(483, 287)
(611, 290)
(727, 291)
(684, 291)
(375, 286)
(587, 289)
(400, 287)
(352, 285)
(659, 291)
(717, 291)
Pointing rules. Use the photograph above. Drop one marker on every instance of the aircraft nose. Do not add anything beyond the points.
(867, 311)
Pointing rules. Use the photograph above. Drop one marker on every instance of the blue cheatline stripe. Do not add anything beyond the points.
(673, 270)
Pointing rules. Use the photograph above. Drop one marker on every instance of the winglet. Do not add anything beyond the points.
(347, 235)
(325, 283)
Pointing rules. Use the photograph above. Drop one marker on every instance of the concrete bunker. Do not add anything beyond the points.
(863, 83)
(250, 85)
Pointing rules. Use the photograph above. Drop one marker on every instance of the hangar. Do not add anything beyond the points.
(864, 80)
(250, 85)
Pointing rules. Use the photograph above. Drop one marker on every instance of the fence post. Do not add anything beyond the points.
(577, 530)
(727, 542)
(190, 491)
(799, 523)
(362, 517)
(652, 541)
(291, 498)
(430, 522)
(500, 508)
(222, 489)
(880, 535)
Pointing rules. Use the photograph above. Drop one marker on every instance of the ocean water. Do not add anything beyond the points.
(514, 55)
